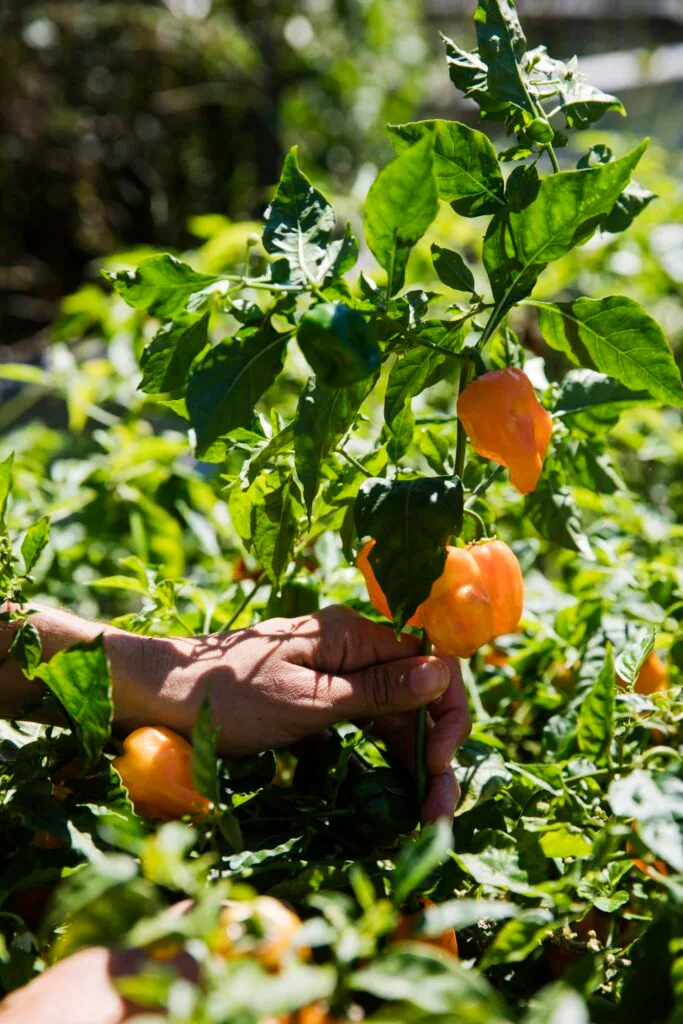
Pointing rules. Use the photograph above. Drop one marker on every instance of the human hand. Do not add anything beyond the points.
(284, 679)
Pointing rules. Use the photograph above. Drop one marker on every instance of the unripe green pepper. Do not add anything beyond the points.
(539, 131)
(339, 344)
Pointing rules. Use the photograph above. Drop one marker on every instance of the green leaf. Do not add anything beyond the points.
(451, 269)
(27, 648)
(299, 225)
(80, 680)
(418, 860)
(433, 981)
(274, 524)
(593, 401)
(655, 801)
(35, 541)
(412, 372)
(495, 861)
(339, 344)
(616, 336)
(557, 1004)
(565, 842)
(410, 520)
(205, 765)
(566, 210)
(162, 285)
(468, 175)
(630, 661)
(166, 361)
(324, 415)
(461, 913)
(5, 484)
(400, 206)
(630, 203)
(227, 382)
(596, 714)
(481, 773)
(552, 510)
(583, 104)
(502, 46)
(518, 938)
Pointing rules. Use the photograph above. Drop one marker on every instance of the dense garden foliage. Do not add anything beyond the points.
(225, 484)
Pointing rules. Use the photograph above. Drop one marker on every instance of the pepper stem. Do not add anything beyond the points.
(421, 736)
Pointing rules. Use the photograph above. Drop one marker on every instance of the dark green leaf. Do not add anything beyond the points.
(35, 541)
(451, 269)
(655, 801)
(502, 46)
(324, 415)
(596, 714)
(227, 382)
(648, 993)
(299, 226)
(461, 913)
(468, 175)
(630, 203)
(400, 206)
(431, 980)
(593, 401)
(495, 861)
(80, 680)
(166, 361)
(481, 773)
(339, 344)
(410, 374)
(558, 1004)
(274, 525)
(616, 336)
(552, 510)
(567, 209)
(162, 285)
(27, 648)
(205, 766)
(582, 104)
(518, 938)
(410, 520)
(418, 860)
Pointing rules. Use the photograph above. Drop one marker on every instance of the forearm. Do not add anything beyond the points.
(127, 653)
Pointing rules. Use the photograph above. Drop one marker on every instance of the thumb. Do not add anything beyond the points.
(392, 686)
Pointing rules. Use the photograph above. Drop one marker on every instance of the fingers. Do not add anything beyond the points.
(452, 721)
(390, 687)
(338, 640)
(442, 797)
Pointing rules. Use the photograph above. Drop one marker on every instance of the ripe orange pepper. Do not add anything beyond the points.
(405, 929)
(479, 596)
(156, 769)
(506, 423)
(375, 592)
(269, 942)
(652, 678)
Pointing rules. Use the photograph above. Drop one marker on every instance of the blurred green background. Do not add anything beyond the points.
(121, 120)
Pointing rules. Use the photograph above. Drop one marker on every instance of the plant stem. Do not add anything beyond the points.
(421, 736)
(461, 436)
(553, 158)
(480, 525)
(483, 486)
(245, 603)
(354, 462)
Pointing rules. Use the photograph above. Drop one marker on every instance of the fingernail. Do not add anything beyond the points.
(429, 679)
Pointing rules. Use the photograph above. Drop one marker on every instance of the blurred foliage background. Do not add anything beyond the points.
(121, 120)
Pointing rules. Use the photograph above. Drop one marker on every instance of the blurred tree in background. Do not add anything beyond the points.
(119, 120)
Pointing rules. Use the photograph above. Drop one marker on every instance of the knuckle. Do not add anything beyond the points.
(380, 688)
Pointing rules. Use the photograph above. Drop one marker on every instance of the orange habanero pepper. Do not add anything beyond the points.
(506, 423)
(375, 592)
(156, 769)
(479, 596)
(652, 678)
(407, 929)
